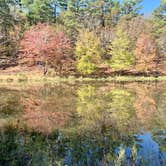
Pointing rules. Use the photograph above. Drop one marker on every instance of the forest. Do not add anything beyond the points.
(83, 37)
(82, 83)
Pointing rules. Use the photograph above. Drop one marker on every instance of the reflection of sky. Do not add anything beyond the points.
(149, 151)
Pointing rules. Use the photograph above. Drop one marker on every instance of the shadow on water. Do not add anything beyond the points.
(98, 124)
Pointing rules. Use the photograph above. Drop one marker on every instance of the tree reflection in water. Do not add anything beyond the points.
(86, 124)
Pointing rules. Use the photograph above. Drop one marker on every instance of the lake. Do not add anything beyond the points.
(88, 123)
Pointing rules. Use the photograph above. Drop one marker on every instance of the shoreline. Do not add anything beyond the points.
(34, 78)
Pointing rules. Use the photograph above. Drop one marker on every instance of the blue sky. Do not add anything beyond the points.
(149, 6)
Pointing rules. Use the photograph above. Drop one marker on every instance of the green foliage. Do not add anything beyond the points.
(159, 17)
(101, 13)
(88, 52)
(68, 20)
(8, 19)
(131, 7)
(121, 51)
(118, 22)
(159, 23)
(40, 10)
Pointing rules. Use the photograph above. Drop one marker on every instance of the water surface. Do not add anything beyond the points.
(93, 123)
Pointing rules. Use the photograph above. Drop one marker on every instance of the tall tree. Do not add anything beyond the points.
(121, 51)
(88, 52)
(159, 20)
(40, 10)
(8, 18)
(43, 43)
(159, 16)
(145, 53)
(131, 7)
(101, 13)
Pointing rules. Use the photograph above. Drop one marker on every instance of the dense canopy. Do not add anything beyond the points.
(96, 35)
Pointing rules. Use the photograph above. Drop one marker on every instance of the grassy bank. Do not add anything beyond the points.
(37, 78)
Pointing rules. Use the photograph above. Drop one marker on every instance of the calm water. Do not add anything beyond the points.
(98, 124)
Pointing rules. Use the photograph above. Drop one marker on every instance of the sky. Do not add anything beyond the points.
(149, 6)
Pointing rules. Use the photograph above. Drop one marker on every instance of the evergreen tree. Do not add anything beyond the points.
(131, 7)
(8, 19)
(100, 13)
(40, 10)
(159, 21)
(159, 16)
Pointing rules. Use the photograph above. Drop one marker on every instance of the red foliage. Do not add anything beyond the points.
(42, 43)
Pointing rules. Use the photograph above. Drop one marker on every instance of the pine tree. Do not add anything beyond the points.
(131, 7)
(8, 19)
(159, 18)
(40, 10)
(159, 21)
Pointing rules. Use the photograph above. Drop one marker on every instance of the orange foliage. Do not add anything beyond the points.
(145, 53)
(145, 104)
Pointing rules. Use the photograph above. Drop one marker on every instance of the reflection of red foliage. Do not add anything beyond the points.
(40, 120)
(42, 43)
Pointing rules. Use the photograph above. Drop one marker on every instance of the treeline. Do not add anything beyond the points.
(84, 36)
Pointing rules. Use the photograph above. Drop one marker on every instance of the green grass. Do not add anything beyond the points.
(29, 78)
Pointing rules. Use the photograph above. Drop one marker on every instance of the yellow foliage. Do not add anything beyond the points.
(88, 52)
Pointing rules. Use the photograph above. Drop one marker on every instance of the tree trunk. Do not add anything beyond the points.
(45, 68)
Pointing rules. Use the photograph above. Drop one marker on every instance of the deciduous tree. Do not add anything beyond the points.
(145, 53)
(88, 52)
(121, 51)
(43, 43)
